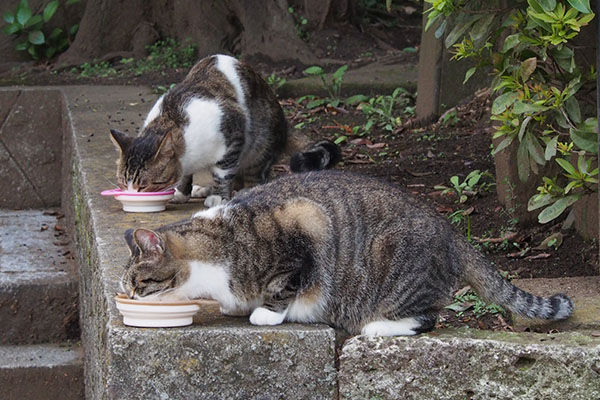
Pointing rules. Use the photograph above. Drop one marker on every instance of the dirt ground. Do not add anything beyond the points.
(418, 158)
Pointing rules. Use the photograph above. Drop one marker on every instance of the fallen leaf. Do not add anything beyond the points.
(468, 211)
(419, 174)
(416, 185)
(463, 291)
(59, 228)
(376, 145)
(430, 154)
(519, 254)
(507, 236)
(538, 256)
(44, 227)
(554, 240)
(361, 141)
(444, 210)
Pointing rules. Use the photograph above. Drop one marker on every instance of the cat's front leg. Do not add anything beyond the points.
(183, 190)
(224, 173)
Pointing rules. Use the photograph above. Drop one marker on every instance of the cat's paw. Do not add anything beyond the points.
(179, 197)
(402, 327)
(262, 316)
(214, 200)
(201, 191)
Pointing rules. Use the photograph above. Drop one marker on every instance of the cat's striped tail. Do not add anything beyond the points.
(488, 283)
(321, 155)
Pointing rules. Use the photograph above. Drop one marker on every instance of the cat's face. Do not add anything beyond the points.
(151, 271)
(146, 164)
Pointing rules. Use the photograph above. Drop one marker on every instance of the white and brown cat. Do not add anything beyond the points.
(222, 119)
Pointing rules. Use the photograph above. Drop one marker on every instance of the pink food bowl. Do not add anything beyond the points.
(141, 201)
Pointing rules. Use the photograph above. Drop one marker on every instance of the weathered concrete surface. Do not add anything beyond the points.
(30, 142)
(471, 365)
(38, 284)
(49, 372)
(371, 79)
(217, 357)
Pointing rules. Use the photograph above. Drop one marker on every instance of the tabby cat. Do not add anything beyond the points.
(223, 119)
(330, 247)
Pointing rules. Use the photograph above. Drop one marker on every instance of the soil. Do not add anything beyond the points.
(416, 157)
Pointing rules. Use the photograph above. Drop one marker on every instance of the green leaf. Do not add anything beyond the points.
(566, 165)
(581, 5)
(55, 33)
(36, 19)
(469, 74)
(8, 17)
(523, 162)
(504, 101)
(314, 70)
(586, 136)
(339, 73)
(49, 10)
(341, 139)
(50, 51)
(357, 98)
(510, 42)
(553, 211)
(482, 27)
(539, 201)
(572, 106)
(503, 144)
(12, 28)
(458, 31)
(547, 5)
(69, 2)
(315, 103)
(521, 107)
(36, 37)
(439, 32)
(535, 149)
(73, 29)
(23, 15)
(551, 148)
(527, 68)
(524, 127)
(21, 46)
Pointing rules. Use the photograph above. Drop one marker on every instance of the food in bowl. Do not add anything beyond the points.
(141, 201)
(158, 314)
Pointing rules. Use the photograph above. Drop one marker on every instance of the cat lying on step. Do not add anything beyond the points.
(221, 118)
(332, 247)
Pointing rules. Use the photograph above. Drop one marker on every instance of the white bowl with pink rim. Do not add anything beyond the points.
(141, 201)
(157, 314)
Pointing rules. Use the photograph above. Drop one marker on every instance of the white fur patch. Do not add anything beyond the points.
(155, 111)
(402, 327)
(201, 191)
(228, 66)
(204, 142)
(302, 310)
(209, 213)
(262, 316)
(179, 197)
(209, 280)
(214, 200)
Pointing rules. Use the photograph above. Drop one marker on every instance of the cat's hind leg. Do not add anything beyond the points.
(183, 190)
(401, 327)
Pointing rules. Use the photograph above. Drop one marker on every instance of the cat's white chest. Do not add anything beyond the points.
(204, 141)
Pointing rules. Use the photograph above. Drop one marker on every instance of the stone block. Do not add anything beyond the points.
(469, 364)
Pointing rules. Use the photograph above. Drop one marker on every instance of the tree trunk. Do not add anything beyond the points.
(240, 27)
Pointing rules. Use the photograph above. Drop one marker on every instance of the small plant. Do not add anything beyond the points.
(333, 86)
(164, 54)
(301, 22)
(275, 82)
(35, 40)
(470, 187)
(471, 301)
(102, 69)
(160, 89)
(459, 217)
(382, 111)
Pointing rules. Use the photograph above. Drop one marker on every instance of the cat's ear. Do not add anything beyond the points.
(133, 247)
(121, 140)
(149, 242)
(166, 149)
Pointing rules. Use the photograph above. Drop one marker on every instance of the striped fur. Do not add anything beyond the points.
(329, 247)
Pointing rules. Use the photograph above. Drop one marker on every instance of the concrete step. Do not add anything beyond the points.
(38, 284)
(41, 371)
